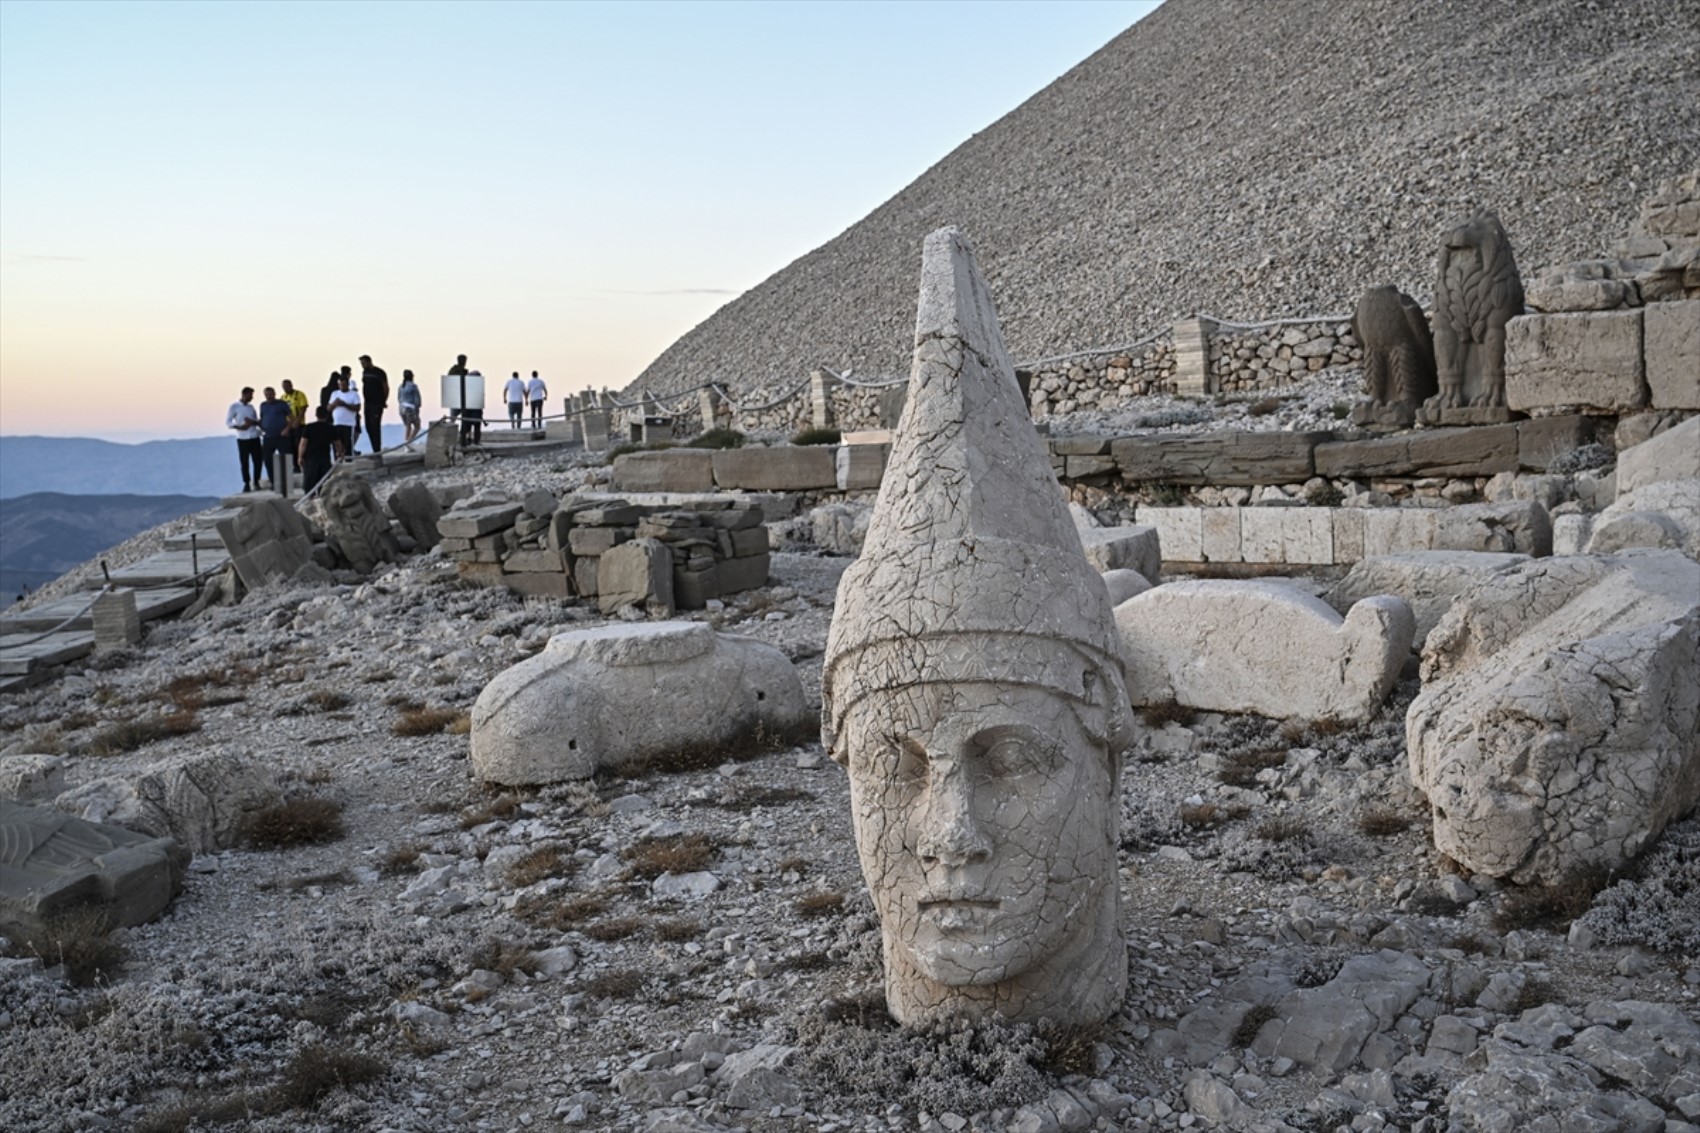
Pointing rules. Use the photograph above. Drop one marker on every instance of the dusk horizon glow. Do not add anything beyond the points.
(198, 196)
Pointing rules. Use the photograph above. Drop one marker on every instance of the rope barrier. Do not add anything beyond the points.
(1132, 346)
(1278, 322)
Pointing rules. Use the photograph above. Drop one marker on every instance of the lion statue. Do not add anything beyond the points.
(1398, 355)
(1477, 291)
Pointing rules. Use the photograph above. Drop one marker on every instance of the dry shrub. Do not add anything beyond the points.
(766, 796)
(614, 928)
(503, 806)
(679, 853)
(309, 880)
(317, 1070)
(1169, 712)
(706, 757)
(805, 962)
(1240, 768)
(1553, 905)
(865, 1009)
(1070, 1049)
(461, 725)
(678, 930)
(80, 941)
(793, 865)
(561, 916)
(301, 821)
(401, 858)
(505, 958)
(820, 904)
(379, 676)
(621, 983)
(128, 735)
(423, 721)
(1298, 731)
(1200, 816)
(403, 700)
(329, 699)
(1284, 828)
(1263, 407)
(1382, 822)
(1246, 1033)
(1469, 944)
(1535, 992)
(540, 864)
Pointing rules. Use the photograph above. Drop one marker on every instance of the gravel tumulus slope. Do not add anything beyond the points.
(1249, 158)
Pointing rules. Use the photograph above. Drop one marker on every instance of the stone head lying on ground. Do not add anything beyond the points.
(973, 689)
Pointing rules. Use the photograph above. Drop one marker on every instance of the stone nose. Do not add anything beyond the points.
(950, 836)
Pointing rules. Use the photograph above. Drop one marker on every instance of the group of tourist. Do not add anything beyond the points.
(281, 425)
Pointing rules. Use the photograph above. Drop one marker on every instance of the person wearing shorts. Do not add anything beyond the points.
(408, 401)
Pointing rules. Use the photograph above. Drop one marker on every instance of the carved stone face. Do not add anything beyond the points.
(985, 818)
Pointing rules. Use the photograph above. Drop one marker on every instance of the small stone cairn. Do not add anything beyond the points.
(551, 548)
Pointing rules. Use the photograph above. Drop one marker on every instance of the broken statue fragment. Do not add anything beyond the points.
(973, 689)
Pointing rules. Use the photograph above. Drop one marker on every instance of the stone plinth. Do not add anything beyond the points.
(1672, 352)
(786, 468)
(1586, 359)
(672, 470)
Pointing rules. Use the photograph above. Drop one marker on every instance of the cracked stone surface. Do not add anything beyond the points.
(973, 691)
(1262, 647)
(1557, 725)
(618, 695)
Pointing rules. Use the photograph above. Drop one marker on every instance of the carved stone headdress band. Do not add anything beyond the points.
(972, 568)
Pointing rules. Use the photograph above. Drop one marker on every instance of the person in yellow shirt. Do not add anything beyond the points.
(297, 402)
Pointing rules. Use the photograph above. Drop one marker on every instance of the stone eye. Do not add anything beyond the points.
(1009, 753)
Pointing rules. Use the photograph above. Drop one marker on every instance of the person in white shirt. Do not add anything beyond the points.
(345, 413)
(245, 419)
(514, 391)
(536, 393)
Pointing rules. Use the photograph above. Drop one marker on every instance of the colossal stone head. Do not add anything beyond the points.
(973, 689)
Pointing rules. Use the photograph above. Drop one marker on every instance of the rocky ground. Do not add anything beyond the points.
(1304, 152)
(689, 946)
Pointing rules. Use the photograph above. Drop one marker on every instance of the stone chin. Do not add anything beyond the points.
(977, 944)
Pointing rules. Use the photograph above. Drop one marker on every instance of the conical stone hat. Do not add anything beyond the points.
(972, 569)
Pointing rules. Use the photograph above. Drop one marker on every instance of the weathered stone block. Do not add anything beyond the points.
(1082, 467)
(1133, 547)
(52, 864)
(472, 522)
(1081, 446)
(1219, 535)
(1307, 535)
(635, 573)
(584, 577)
(740, 574)
(1513, 526)
(1672, 351)
(198, 799)
(859, 467)
(749, 541)
(534, 560)
(1179, 533)
(1348, 534)
(538, 584)
(418, 512)
(1261, 534)
(1224, 459)
(1478, 451)
(787, 468)
(1389, 530)
(692, 589)
(1558, 726)
(619, 514)
(1590, 359)
(671, 470)
(1429, 581)
(619, 695)
(1262, 647)
(597, 540)
(1672, 455)
(267, 541)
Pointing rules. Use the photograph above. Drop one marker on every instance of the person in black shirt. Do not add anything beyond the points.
(274, 433)
(327, 390)
(374, 398)
(318, 449)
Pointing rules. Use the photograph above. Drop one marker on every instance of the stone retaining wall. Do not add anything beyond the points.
(1101, 380)
(1274, 356)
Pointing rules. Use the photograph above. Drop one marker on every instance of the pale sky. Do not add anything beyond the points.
(200, 196)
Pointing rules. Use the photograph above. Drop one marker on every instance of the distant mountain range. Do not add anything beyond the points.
(44, 534)
(202, 466)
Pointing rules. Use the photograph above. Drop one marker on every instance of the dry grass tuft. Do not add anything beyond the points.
(1382, 822)
(79, 940)
(1240, 768)
(317, 1070)
(561, 916)
(461, 725)
(620, 983)
(401, 858)
(403, 700)
(423, 721)
(1070, 1049)
(706, 757)
(128, 735)
(793, 865)
(505, 958)
(1263, 407)
(1246, 1033)
(1201, 816)
(1169, 712)
(824, 904)
(866, 1010)
(766, 796)
(501, 807)
(1552, 906)
(329, 699)
(683, 928)
(614, 928)
(540, 864)
(1284, 828)
(302, 821)
(680, 853)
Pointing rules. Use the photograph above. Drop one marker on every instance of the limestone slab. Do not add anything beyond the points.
(1672, 455)
(784, 468)
(1348, 534)
(1219, 535)
(1261, 534)
(1390, 530)
(1224, 459)
(639, 573)
(619, 695)
(1262, 647)
(1307, 535)
(1590, 358)
(1476, 451)
(1672, 350)
(469, 523)
(858, 467)
(1558, 725)
(53, 865)
(671, 470)
(1179, 533)
(1520, 526)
